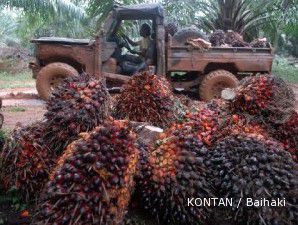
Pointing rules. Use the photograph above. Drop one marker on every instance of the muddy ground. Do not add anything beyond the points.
(22, 105)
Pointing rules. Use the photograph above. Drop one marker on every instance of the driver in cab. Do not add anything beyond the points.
(144, 43)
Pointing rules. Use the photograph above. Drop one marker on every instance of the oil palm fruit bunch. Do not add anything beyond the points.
(239, 124)
(177, 172)
(93, 180)
(254, 170)
(287, 133)
(235, 124)
(143, 167)
(260, 43)
(266, 98)
(147, 98)
(204, 124)
(27, 161)
(78, 105)
(220, 106)
(217, 38)
(171, 28)
(235, 39)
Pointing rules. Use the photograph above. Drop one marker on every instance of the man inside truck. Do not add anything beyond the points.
(130, 63)
(146, 43)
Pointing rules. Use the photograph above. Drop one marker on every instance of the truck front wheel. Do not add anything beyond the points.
(216, 81)
(50, 76)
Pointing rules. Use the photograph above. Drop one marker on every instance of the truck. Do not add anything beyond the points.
(186, 67)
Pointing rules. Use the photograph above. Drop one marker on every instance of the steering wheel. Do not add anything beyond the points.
(123, 41)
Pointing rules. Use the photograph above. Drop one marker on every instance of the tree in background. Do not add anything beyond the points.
(242, 16)
(8, 27)
(282, 25)
(46, 9)
(46, 18)
(275, 19)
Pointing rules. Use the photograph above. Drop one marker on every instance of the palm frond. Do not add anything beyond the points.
(49, 8)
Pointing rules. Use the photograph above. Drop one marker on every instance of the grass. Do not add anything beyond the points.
(284, 70)
(17, 109)
(19, 80)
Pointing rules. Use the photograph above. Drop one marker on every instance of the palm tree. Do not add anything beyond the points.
(99, 9)
(49, 8)
(238, 15)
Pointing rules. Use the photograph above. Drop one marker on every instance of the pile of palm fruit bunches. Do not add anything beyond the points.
(80, 165)
(219, 38)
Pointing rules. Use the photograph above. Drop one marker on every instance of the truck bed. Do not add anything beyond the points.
(188, 58)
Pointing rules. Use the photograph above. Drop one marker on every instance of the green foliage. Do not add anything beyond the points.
(236, 15)
(283, 69)
(183, 13)
(99, 9)
(8, 26)
(46, 18)
(46, 9)
(17, 109)
(275, 19)
(31, 27)
(281, 26)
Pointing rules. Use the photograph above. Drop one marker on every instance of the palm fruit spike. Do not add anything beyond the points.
(171, 28)
(238, 124)
(204, 124)
(27, 161)
(78, 105)
(147, 98)
(260, 43)
(217, 38)
(265, 97)
(177, 172)
(246, 167)
(93, 181)
(233, 37)
(287, 133)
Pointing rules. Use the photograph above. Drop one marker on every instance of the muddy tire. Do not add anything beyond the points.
(50, 76)
(214, 82)
(184, 34)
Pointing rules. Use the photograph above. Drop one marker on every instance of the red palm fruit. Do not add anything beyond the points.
(203, 124)
(287, 134)
(93, 180)
(78, 105)
(27, 161)
(175, 172)
(147, 98)
(243, 167)
(266, 98)
(217, 38)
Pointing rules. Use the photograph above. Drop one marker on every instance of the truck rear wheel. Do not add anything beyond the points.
(216, 81)
(181, 36)
(50, 76)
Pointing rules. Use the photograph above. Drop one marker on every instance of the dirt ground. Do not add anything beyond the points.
(22, 105)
